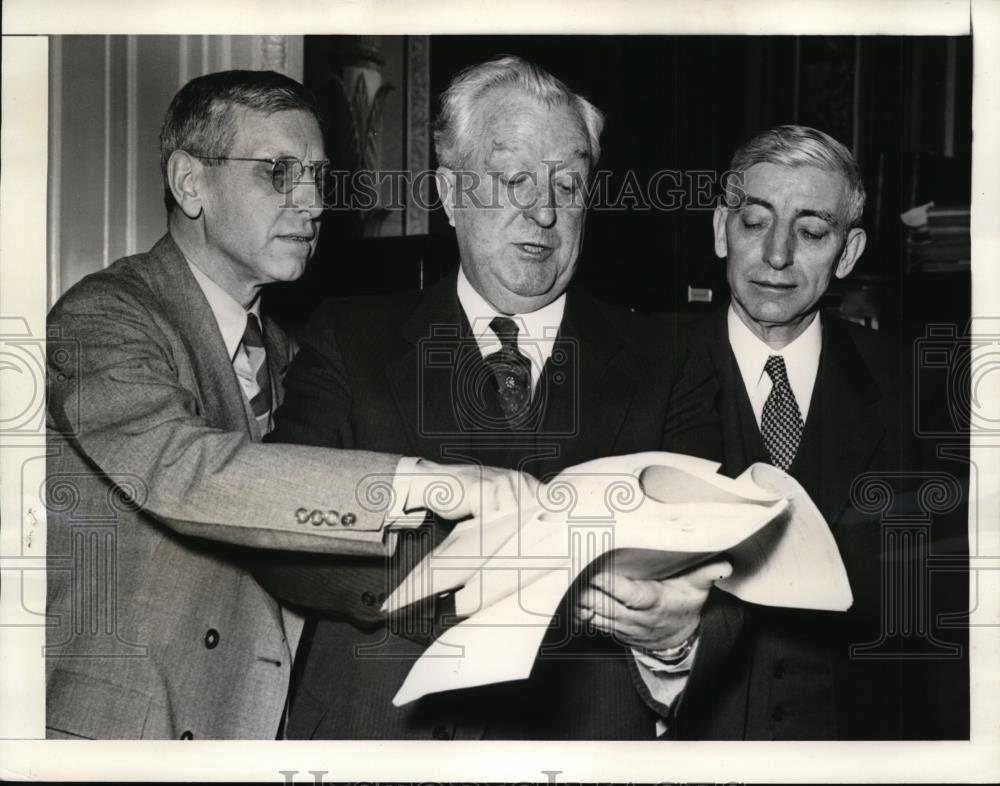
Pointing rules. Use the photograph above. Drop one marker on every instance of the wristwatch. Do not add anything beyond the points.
(671, 656)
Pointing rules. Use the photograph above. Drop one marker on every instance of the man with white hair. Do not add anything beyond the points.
(505, 364)
(157, 482)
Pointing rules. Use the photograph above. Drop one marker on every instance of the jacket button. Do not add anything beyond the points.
(441, 733)
(316, 518)
(368, 598)
(187, 735)
(778, 714)
(211, 639)
(348, 519)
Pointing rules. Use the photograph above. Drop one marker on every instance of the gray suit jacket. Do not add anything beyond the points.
(157, 484)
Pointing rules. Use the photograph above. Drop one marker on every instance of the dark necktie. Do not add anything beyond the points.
(253, 343)
(511, 369)
(781, 422)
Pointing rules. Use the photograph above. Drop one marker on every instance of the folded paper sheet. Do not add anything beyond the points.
(651, 515)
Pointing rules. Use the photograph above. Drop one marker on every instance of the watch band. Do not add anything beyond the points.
(671, 656)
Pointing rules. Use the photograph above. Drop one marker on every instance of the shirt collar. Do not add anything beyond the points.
(230, 316)
(540, 326)
(752, 352)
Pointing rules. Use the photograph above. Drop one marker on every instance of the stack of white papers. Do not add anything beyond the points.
(648, 516)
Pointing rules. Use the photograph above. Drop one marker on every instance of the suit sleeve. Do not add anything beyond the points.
(315, 411)
(118, 395)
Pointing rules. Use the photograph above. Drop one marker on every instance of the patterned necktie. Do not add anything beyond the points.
(781, 423)
(511, 369)
(253, 343)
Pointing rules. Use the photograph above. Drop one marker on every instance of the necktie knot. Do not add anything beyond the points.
(775, 368)
(252, 335)
(506, 330)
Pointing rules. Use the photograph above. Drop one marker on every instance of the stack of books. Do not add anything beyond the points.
(939, 237)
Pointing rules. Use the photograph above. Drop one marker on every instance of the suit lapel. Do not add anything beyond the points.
(278, 358)
(847, 428)
(742, 444)
(171, 280)
(843, 428)
(586, 387)
(442, 386)
(590, 383)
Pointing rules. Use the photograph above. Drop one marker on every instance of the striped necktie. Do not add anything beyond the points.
(259, 391)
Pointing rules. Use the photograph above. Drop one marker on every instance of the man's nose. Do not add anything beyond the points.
(542, 209)
(307, 196)
(778, 246)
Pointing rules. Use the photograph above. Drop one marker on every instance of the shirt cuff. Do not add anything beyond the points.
(400, 515)
(664, 681)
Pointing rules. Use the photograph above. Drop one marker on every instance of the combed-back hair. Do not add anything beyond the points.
(201, 120)
(794, 146)
(455, 131)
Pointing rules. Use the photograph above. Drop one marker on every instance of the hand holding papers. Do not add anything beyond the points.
(455, 491)
(656, 514)
(650, 615)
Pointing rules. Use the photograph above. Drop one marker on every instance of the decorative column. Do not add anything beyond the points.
(905, 504)
(92, 562)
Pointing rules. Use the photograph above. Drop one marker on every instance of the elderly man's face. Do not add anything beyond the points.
(260, 235)
(784, 244)
(519, 229)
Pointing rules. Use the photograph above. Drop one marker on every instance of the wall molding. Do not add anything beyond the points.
(106, 192)
(55, 168)
(132, 145)
(418, 129)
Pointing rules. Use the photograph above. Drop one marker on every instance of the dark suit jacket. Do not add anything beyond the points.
(419, 386)
(766, 673)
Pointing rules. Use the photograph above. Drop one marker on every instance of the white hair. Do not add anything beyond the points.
(455, 130)
(793, 146)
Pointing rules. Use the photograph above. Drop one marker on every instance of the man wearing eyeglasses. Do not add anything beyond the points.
(157, 481)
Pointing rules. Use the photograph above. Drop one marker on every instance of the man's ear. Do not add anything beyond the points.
(719, 225)
(856, 239)
(445, 180)
(184, 178)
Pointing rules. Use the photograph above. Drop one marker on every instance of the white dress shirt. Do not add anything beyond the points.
(801, 363)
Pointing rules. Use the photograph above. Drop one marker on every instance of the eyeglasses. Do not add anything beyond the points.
(286, 173)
